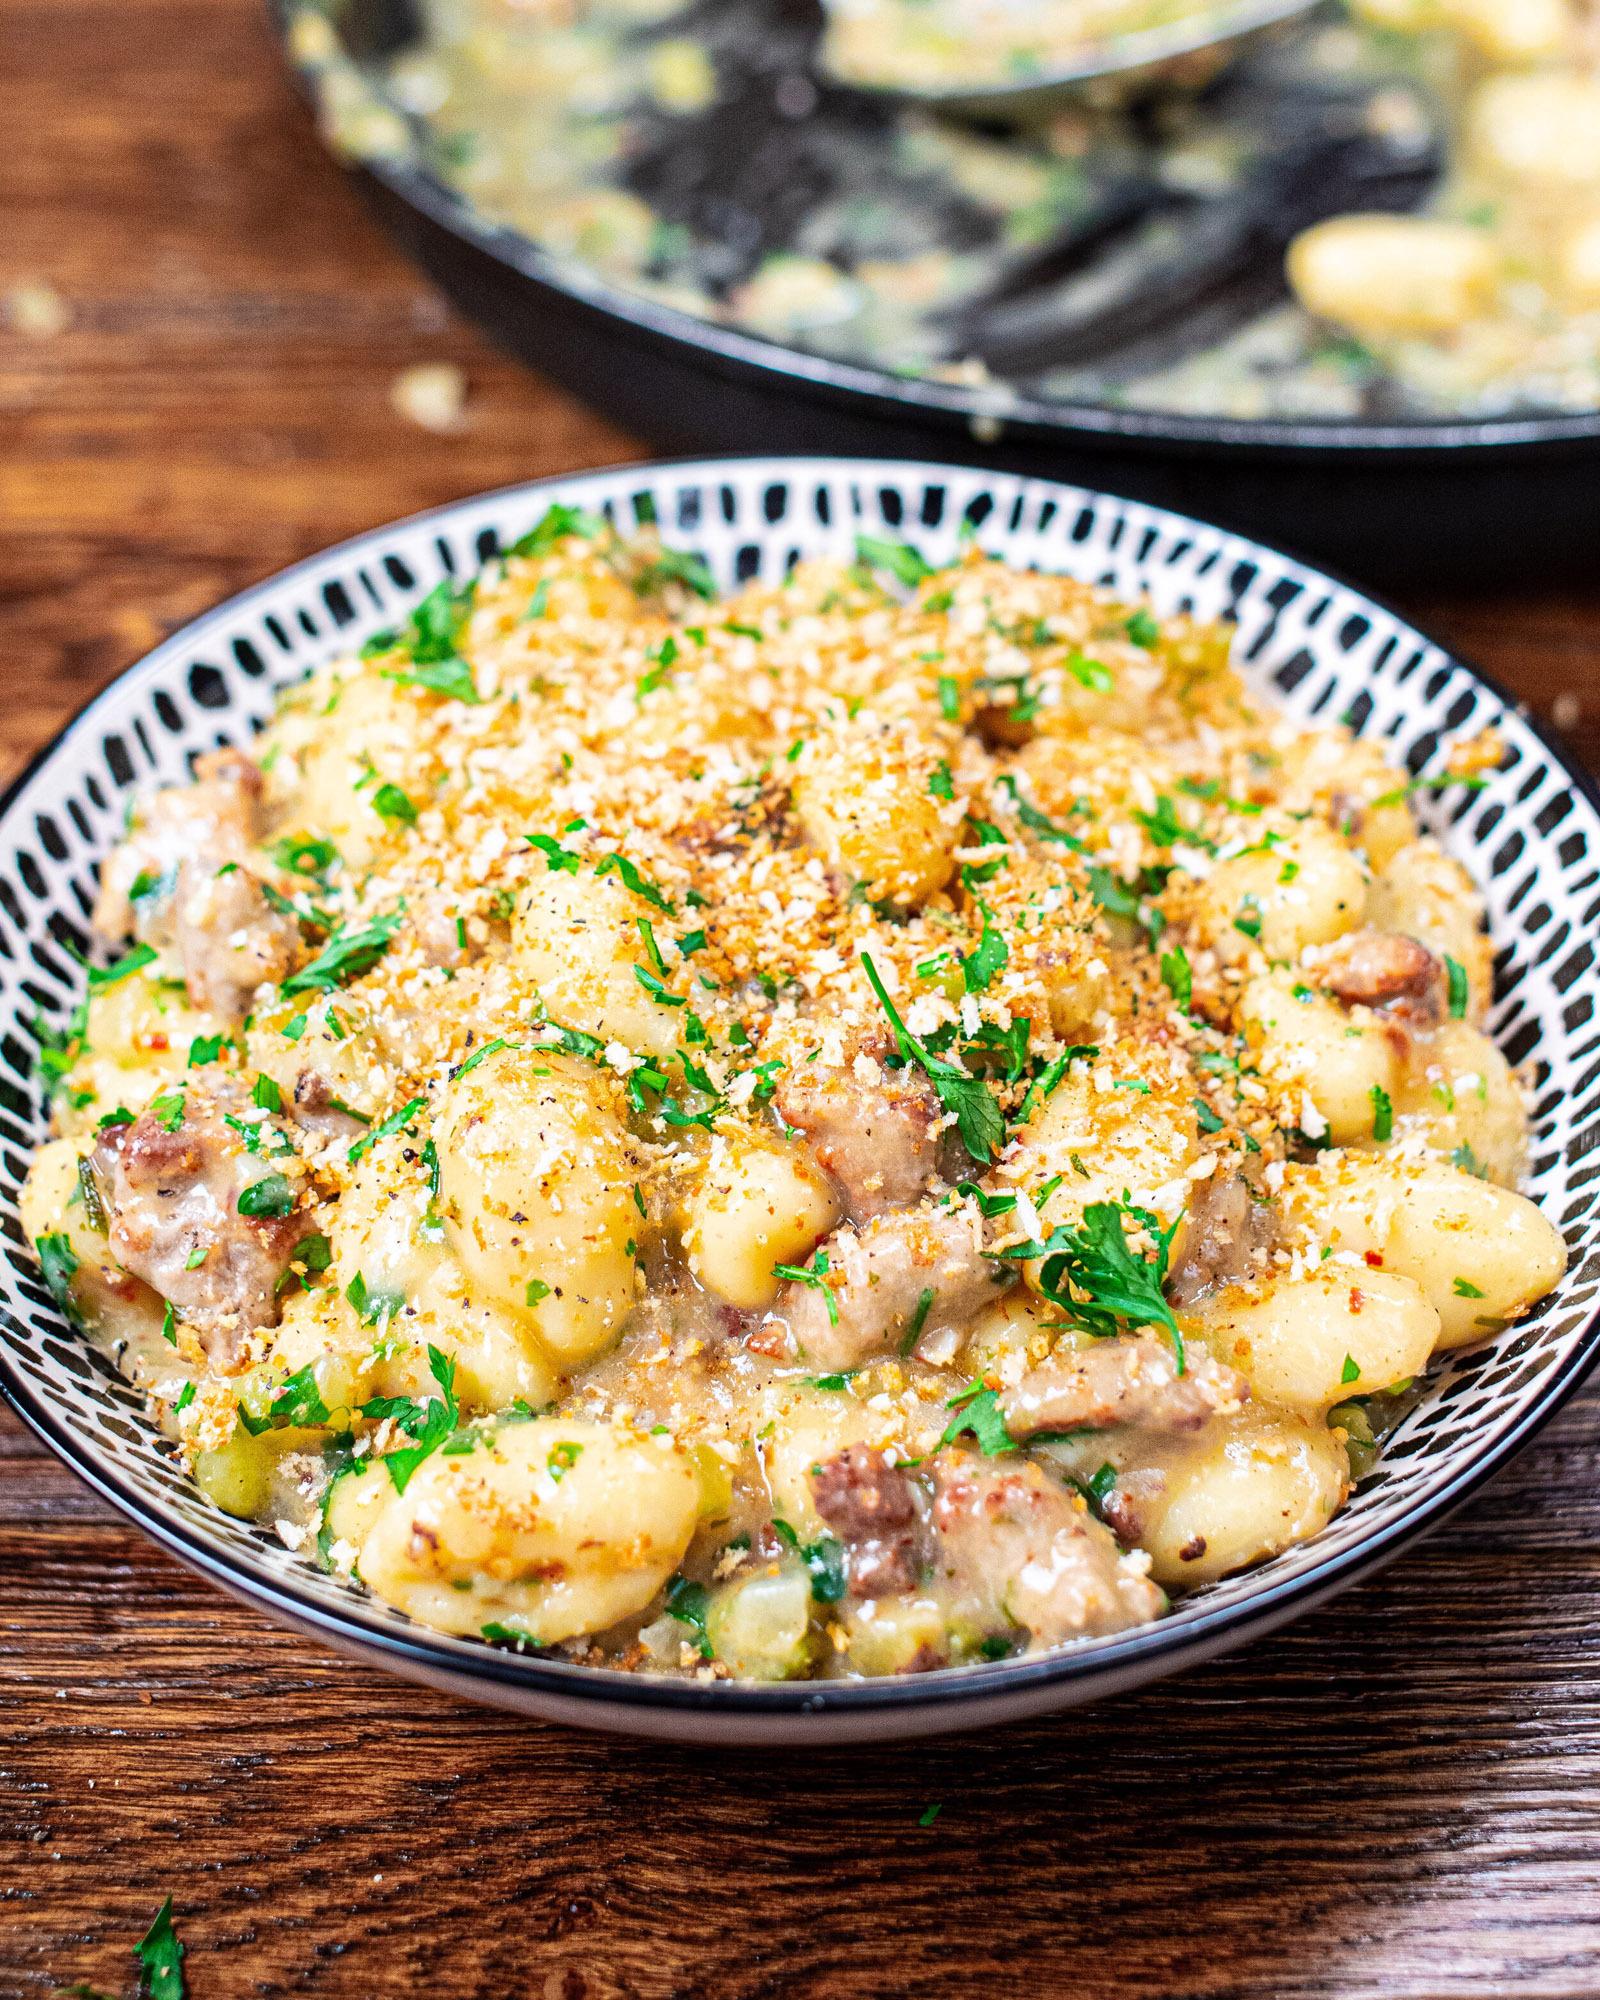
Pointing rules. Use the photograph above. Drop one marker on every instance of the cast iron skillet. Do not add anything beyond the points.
(1474, 502)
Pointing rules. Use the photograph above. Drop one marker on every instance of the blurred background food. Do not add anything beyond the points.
(1386, 211)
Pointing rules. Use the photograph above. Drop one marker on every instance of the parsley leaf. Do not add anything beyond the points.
(1382, 1114)
(814, 1274)
(900, 559)
(429, 1423)
(102, 976)
(554, 525)
(58, 1265)
(977, 1115)
(619, 864)
(1456, 974)
(676, 566)
(1096, 1279)
(978, 1410)
(451, 677)
(271, 1196)
(991, 956)
(823, 1558)
(160, 1958)
(352, 950)
(1142, 628)
(390, 803)
(430, 634)
(1177, 977)
(688, 1603)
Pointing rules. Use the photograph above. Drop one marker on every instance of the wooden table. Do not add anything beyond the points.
(1396, 1797)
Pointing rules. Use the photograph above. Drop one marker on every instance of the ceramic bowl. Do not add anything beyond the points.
(1531, 839)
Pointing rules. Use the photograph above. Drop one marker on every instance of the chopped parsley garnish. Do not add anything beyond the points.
(900, 559)
(661, 994)
(167, 1109)
(1052, 1073)
(392, 804)
(554, 525)
(266, 1093)
(58, 1265)
(992, 955)
(1177, 977)
(949, 698)
(978, 1410)
(1142, 629)
(398, 1120)
(1097, 1280)
(1037, 822)
(206, 1049)
(677, 566)
(1090, 674)
(661, 660)
(558, 859)
(619, 864)
(271, 1196)
(1116, 897)
(148, 887)
(451, 677)
(304, 855)
(427, 1423)
(1163, 824)
(298, 1403)
(59, 1049)
(823, 1558)
(1382, 1114)
(102, 976)
(160, 1959)
(917, 1321)
(1456, 976)
(431, 633)
(814, 1274)
(1465, 1289)
(352, 950)
(688, 1603)
(942, 784)
(1351, 1371)
(562, 1458)
(977, 1115)
(499, 1633)
(1097, 1490)
(1467, 780)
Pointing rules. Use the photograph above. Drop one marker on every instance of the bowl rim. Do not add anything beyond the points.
(964, 410)
(1141, 1652)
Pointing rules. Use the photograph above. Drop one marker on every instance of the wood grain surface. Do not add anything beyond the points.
(1399, 1796)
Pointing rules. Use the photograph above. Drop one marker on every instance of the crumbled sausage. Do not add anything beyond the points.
(872, 1507)
(1130, 1381)
(1018, 1551)
(1372, 968)
(1228, 1233)
(876, 1277)
(172, 1209)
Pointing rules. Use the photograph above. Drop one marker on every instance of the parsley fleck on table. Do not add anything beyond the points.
(1397, 1795)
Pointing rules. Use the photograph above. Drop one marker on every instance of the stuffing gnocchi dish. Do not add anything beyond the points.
(893, 1119)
